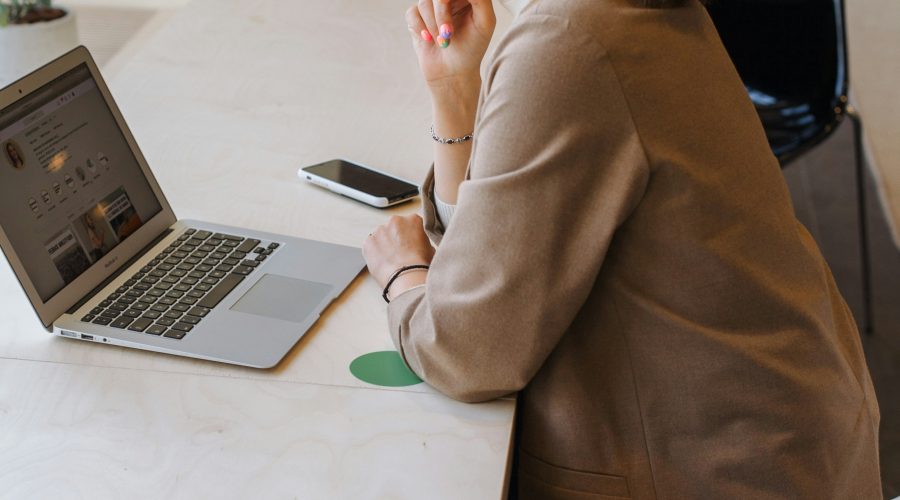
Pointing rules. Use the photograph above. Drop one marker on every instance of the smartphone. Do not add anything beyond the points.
(360, 182)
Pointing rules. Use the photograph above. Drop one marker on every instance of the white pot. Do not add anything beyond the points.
(26, 47)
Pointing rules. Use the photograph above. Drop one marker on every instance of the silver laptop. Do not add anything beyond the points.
(102, 257)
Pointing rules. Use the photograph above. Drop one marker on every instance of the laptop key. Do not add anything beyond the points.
(87, 318)
(152, 314)
(273, 246)
(247, 245)
(229, 237)
(249, 263)
(180, 307)
(160, 308)
(165, 322)
(174, 334)
(109, 314)
(182, 327)
(199, 311)
(140, 324)
(221, 290)
(202, 234)
(191, 320)
(156, 330)
(167, 301)
(173, 315)
(189, 300)
(122, 322)
(101, 321)
(132, 313)
(243, 270)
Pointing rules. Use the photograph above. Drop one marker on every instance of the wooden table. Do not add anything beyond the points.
(227, 99)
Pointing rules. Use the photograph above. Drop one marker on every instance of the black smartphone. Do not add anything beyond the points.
(360, 182)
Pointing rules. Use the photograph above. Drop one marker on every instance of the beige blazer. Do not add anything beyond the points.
(625, 254)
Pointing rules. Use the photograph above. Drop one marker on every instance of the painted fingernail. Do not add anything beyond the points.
(426, 36)
(443, 42)
(446, 31)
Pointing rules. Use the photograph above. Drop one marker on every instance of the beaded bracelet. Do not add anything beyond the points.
(454, 140)
(397, 273)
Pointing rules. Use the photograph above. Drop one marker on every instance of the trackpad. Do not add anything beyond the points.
(283, 298)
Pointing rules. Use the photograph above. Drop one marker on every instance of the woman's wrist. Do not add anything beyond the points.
(407, 280)
(454, 106)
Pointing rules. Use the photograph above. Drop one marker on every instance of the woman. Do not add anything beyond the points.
(15, 159)
(618, 244)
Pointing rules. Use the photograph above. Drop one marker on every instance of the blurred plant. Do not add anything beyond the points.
(27, 11)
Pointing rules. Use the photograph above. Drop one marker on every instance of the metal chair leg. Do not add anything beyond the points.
(863, 220)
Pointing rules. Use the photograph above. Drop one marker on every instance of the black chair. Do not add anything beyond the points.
(792, 57)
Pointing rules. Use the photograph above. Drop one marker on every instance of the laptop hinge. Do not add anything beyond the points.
(119, 271)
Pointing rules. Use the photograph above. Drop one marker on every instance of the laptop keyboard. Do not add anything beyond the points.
(177, 289)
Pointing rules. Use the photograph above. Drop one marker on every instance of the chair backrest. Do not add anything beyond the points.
(791, 55)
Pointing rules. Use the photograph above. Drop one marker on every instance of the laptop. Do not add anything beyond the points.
(102, 257)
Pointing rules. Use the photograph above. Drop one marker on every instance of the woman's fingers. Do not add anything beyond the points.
(483, 15)
(426, 13)
(417, 28)
(443, 18)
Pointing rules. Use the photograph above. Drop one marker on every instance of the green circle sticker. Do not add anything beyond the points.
(385, 368)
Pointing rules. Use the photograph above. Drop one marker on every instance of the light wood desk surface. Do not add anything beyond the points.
(227, 99)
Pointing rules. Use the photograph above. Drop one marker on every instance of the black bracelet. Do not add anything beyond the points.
(397, 273)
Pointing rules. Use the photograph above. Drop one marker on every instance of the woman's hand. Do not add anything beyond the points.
(400, 242)
(450, 38)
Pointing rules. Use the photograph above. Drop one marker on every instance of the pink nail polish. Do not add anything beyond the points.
(426, 36)
(446, 31)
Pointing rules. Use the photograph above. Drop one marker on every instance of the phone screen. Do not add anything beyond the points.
(362, 179)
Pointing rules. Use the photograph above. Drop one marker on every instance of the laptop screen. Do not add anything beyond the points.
(70, 186)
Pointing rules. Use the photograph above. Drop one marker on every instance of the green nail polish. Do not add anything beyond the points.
(443, 42)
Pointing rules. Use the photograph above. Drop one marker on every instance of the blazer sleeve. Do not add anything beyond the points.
(556, 167)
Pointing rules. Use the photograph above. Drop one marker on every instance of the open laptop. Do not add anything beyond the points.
(102, 257)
